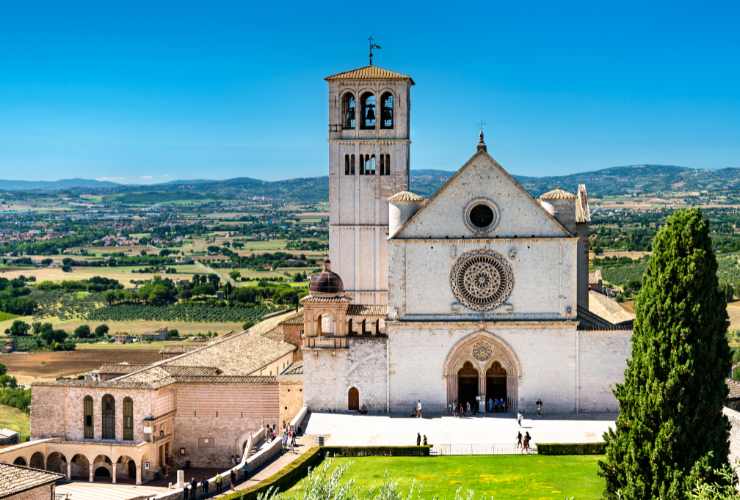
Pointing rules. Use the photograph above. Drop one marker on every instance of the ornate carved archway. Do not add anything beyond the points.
(482, 350)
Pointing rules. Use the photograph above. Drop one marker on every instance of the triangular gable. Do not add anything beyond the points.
(520, 215)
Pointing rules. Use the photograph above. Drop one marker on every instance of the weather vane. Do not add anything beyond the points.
(372, 45)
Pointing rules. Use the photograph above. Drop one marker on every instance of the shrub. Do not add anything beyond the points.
(571, 448)
(376, 451)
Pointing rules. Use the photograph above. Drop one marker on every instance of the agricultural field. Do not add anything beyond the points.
(37, 366)
(497, 476)
(125, 275)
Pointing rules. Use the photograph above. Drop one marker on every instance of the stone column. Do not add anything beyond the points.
(113, 474)
(92, 473)
(138, 472)
(69, 470)
(481, 392)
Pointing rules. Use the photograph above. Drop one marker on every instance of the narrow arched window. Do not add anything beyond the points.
(370, 165)
(128, 419)
(387, 164)
(382, 164)
(346, 164)
(109, 417)
(386, 112)
(362, 165)
(368, 111)
(87, 419)
(349, 111)
(352, 165)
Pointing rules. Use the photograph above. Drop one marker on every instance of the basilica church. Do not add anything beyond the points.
(477, 293)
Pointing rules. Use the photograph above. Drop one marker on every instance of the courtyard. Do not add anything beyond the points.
(501, 476)
(455, 435)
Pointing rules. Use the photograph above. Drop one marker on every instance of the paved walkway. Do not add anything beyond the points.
(304, 444)
(454, 434)
(79, 490)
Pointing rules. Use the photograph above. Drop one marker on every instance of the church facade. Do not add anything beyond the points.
(477, 294)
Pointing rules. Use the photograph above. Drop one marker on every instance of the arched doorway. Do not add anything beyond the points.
(80, 467)
(353, 399)
(102, 468)
(125, 469)
(56, 462)
(37, 460)
(19, 461)
(484, 363)
(496, 387)
(467, 386)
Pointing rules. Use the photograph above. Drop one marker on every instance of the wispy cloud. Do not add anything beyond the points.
(136, 179)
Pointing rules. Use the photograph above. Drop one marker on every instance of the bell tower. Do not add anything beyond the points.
(369, 141)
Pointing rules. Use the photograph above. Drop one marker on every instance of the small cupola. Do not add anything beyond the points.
(326, 282)
(401, 207)
(563, 205)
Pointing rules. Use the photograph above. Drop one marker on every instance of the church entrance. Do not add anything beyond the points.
(467, 386)
(496, 388)
(353, 399)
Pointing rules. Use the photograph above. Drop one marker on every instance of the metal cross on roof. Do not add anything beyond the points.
(372, 45)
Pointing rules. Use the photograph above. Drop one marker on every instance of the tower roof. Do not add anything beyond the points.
(369, 73)
(558, 194)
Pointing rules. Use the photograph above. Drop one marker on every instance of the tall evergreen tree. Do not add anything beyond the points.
(670, 427)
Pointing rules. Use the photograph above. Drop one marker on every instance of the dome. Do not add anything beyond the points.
(558, 194)
(405, 196)
(326, 282)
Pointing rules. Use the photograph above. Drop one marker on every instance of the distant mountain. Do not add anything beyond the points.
(630, 179)
(60, 185)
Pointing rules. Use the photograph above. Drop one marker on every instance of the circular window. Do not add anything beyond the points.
(481, 216)
(481, 280)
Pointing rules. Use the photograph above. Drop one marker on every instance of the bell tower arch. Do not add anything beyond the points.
(369, 142)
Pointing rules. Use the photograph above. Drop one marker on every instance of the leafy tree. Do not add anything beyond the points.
(670, 426)
(235, 275)
(83, 332)
(101, 330)
(18, 329)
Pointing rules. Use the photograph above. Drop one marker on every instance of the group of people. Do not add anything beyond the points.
(289, 437)
(494, 405)
(420, 439)
(522, 442)
(190, 491)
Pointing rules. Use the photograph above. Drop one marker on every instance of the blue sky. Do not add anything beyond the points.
(143, 91)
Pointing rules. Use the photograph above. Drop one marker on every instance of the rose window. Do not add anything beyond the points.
(481, 280)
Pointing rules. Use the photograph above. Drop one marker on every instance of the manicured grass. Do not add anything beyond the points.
(498, 476)
(13, 418)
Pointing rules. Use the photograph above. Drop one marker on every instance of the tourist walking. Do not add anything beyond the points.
(539, 407)
(292, 440)
(233, 477)
(467, 408)
(425, 440)
(219, 483)
(418, 409)
(527, 439)
(519, 418)
(418, 439)
(193, 488)
(205, 488)
(518, 440)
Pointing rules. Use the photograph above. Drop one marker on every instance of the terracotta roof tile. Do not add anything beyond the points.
(369, 73)
(367, 310)
(558, 194)
(406, 196)
(16, 479)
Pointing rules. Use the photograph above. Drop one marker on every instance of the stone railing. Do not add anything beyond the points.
(248, 465)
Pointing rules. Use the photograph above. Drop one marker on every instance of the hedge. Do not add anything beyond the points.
(284, 478)
(571, 448)
(376, 451)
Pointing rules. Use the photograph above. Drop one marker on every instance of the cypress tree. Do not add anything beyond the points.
(670, 429)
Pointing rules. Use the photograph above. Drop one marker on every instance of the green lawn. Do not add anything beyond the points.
(4, 316)
(497, 476)
(13, 418)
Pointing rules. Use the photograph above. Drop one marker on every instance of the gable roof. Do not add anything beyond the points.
(15, 479)
(369, 73)
(469, 164)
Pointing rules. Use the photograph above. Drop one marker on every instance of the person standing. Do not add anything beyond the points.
(527, 439)
(193, 488)
(425, 440)
(519, 418)
(418, 439)
(205, 488)
(539, 407)
(418, 408)
(518, 440)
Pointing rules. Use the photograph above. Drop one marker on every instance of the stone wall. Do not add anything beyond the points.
(548, 364)
(734, 418)
(291, 397)
(544, 273)
(58, 411)
(329, 374)
(45, 492)
(211, 419)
